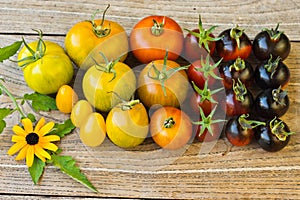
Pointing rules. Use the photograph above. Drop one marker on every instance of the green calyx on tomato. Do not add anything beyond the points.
(279, 95)
(206, 93)
(238, 65)
(164, 74)
(249, 124)
(206, 121)
(208, 69)
(278, 129)
(169, 123)
(99, 30)
(236, 33)
(204, 35)
(271, 66)
(158, 28)
(239, 89)
(36, 54)
(274, 33)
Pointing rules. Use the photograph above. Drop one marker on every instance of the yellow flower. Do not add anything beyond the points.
(32, 142)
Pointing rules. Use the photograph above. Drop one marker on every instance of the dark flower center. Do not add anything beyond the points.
(32, 138)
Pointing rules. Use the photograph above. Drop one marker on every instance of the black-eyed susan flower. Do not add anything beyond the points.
(33, 142)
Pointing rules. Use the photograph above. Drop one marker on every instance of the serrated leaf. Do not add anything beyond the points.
(10, 50)
(41, 102)
(36, 170)
(63, 129)
(2, 125)
(67, 165)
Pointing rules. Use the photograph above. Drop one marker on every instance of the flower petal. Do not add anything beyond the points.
(49, 138)
(19, 131)
(22, 153)
(27, 123)
(30, 155)
(17, 138)
(50, 146)
(40, 156)
(46, 129)
(41, 151)
(39, 125)
(15, 148)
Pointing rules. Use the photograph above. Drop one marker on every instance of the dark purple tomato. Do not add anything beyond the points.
(271, 42)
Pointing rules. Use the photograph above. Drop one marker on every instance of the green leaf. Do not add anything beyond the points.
(63, 129)
(36, 170)
(41, 102)
(31, 117)
(67, 165)
(10, 50)
(4, 112)
(2, 125)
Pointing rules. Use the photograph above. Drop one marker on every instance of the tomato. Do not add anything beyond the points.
(209, 128)
(273, 136)
(65, 99)
(86, 39)
(200, 71)
(240, 130)
(272, 74)
(45, 65)
(101, 82)
(199, 42)
(164, 83)
(270, 42)
(239, 100)
(93, 131)
(271, 102)
(152, 36)
(127, 124)
(234, 43)
(80, 111)
(170, 128)
(234, 70)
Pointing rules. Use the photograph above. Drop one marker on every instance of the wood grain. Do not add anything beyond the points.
(212, 171)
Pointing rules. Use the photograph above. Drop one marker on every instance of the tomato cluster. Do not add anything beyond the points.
(158, 82)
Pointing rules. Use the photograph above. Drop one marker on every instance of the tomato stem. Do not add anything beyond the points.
(99, 30)
(278, 129)
(206, 93)
(238, 65)
(169, 123)
(248, 124)
(279, 95)
(239, 90)
(236, 33)
(158, 28)
(271, 66)
(274, 34)
(208, 69)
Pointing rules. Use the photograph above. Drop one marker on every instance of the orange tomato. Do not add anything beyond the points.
(65, 99)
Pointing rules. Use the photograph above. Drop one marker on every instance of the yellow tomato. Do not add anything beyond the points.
(93, 132)
(127, 124)
(47, 68)
(65, 99)
(86, 39)
(81, 110)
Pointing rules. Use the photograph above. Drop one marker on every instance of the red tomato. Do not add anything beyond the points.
(170, 128)
(153, 35)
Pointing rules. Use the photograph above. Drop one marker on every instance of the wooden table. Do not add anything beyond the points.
(243, 172)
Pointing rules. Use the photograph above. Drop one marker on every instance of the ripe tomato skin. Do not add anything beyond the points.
(150, 91)
(127, 128)
(65, 99)
(47, 74)
(93, 130)
(147, 46)
(80, 111)
(271, 43)
(100, 87)
(81, 42)
(227, 47)
(174, 136)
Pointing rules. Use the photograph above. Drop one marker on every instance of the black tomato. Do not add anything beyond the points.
(234, 43)
(240, 130)
(272, 74)
(271, 42)
(238, 100)
(273, 136)
(236, 69)
(271, 103)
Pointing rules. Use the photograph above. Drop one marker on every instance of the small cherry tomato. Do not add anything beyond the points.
(234, 43)
(270, 42)
(65, 99)
(170, 128)
(80, 111)
(127, 124)
(273, 136)
(152, 36)
(93, 131)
